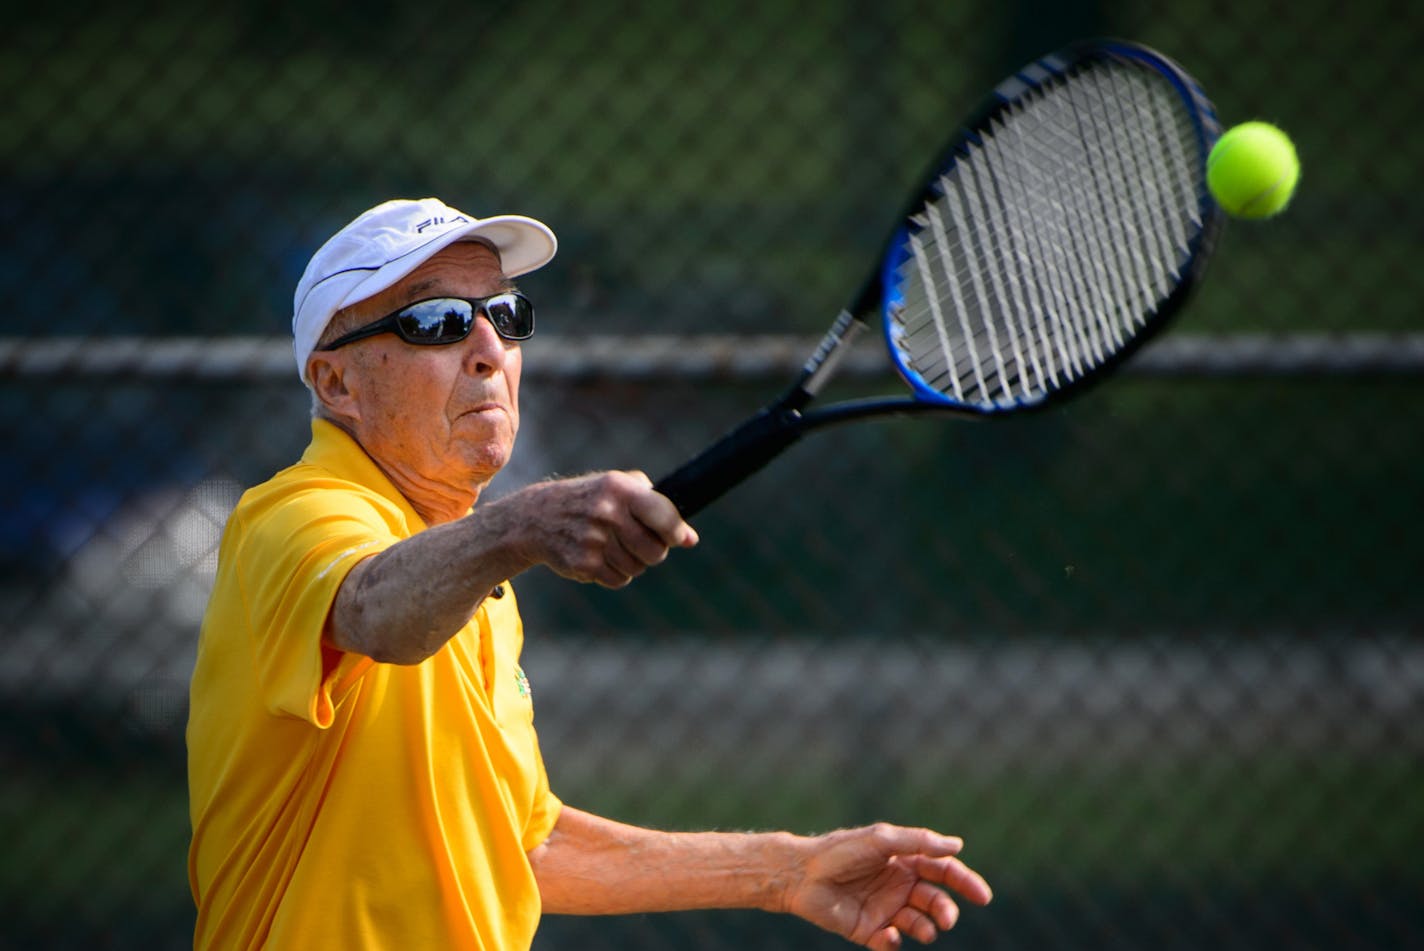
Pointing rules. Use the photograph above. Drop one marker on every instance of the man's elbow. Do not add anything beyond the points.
(401, 651)
(380, 643)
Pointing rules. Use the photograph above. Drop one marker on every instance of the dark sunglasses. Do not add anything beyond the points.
(442, 320)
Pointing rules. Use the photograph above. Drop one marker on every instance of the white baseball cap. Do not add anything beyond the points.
(391, 240)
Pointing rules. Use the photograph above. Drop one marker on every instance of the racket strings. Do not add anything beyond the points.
(1051, 239)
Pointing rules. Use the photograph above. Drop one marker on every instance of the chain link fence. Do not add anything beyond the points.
(1156, 655)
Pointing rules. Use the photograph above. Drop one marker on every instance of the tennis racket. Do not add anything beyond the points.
(1055, 234)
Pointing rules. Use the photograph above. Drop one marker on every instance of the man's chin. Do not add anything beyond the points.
(483, 462)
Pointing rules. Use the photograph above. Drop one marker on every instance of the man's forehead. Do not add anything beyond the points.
(476, 240)
(475, 258)
(467, 247)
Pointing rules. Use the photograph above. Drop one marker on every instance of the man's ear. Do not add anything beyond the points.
(331, 382)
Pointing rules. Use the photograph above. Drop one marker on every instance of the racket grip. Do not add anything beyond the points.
(737, 455)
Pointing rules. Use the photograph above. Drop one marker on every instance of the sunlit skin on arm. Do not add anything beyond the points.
(401, 605)
(873, 886)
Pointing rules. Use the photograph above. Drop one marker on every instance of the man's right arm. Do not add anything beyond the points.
(401, 605)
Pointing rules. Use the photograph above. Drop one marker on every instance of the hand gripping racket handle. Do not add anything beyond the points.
(731, 459)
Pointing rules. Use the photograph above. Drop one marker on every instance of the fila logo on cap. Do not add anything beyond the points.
(432, 222)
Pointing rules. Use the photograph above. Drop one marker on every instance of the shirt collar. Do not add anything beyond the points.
(336, 451)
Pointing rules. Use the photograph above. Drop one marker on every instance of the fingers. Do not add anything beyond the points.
(610, 527)
(928, 909)
(886, 939)
(652, 527)
(907, 923)
(629, 552)
(918, 925)
(878, 885)
(927, 913)
(655, 526)
(951, 873)
(932, 857)
(901, 840)
(657, 513)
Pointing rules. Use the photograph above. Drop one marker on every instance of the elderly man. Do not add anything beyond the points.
(363, 767)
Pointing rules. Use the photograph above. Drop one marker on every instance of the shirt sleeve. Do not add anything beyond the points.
(545, 813)
(295, 557)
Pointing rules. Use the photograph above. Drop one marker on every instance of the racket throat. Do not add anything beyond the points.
(823, 362)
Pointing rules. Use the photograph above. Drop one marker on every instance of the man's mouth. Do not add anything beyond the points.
(481, 408)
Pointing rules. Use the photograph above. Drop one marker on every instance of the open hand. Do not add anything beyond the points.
(876, 884)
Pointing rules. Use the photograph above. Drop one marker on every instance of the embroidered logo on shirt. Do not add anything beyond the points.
(521, 682)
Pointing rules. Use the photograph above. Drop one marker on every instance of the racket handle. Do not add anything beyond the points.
(737, 455)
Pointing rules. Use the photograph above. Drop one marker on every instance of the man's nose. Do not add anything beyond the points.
(485, 350)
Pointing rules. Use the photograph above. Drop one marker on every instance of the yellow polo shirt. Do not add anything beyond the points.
(337, 802)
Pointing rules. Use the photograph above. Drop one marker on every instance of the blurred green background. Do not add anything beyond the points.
(1157, 655)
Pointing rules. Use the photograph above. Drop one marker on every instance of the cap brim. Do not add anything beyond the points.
(523, 244)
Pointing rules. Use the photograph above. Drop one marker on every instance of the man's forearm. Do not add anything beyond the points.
(402, 605)
(595, 866)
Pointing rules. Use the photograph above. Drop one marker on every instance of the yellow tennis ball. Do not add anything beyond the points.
(1252, 170)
